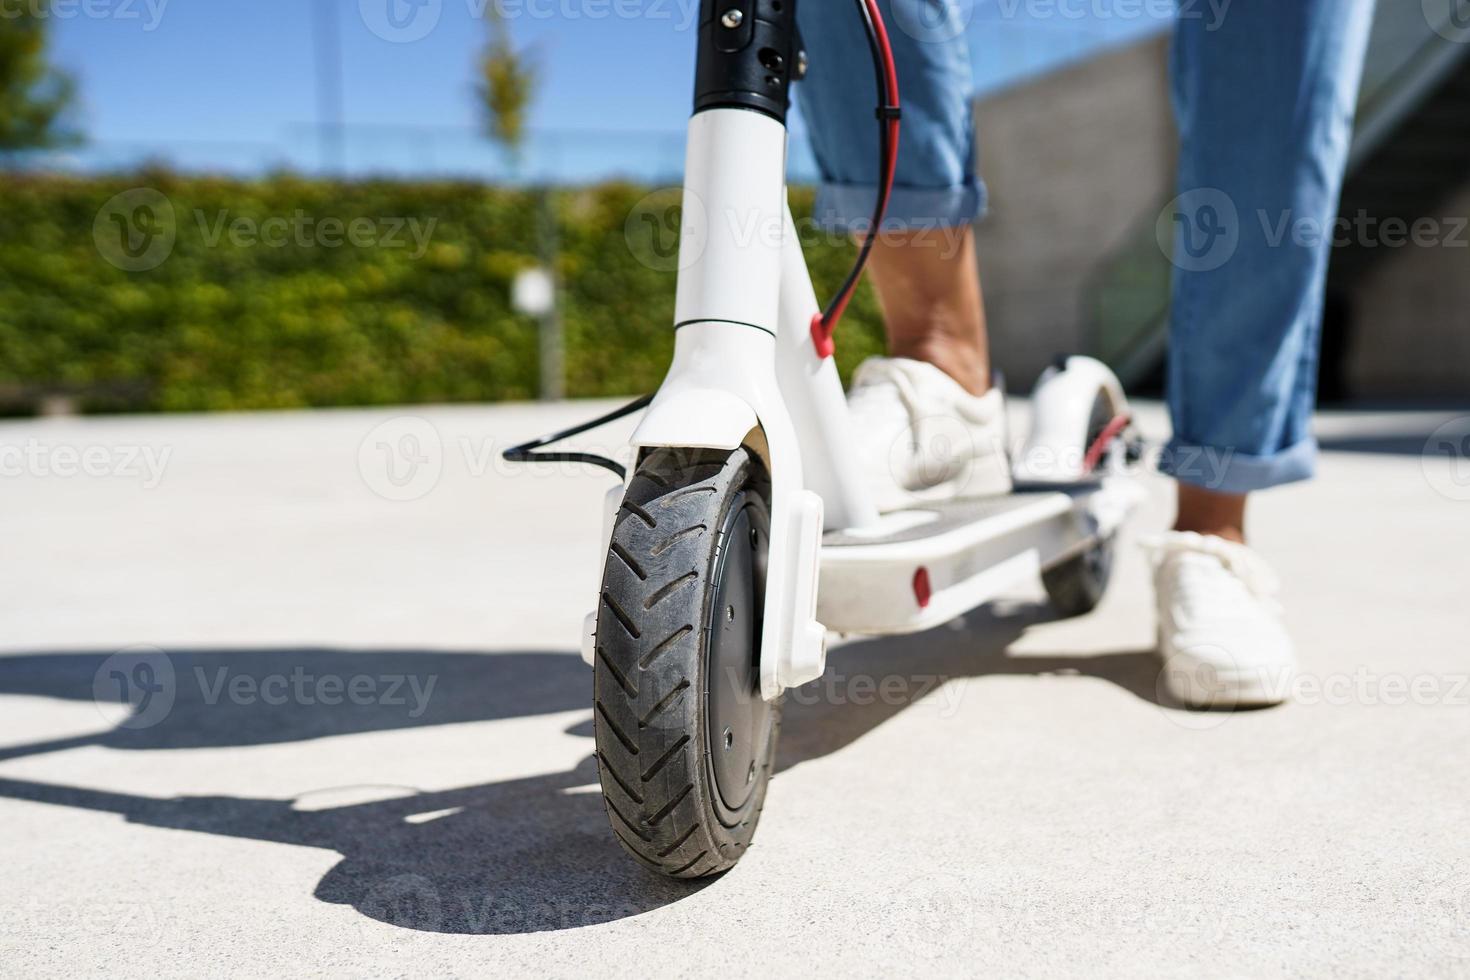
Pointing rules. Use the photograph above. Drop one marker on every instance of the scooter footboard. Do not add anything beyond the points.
(921, 568)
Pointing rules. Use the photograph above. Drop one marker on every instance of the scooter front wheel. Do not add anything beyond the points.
(685, 743)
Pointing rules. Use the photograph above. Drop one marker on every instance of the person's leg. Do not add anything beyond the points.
(1265, 96)
(932, 307)
(923, 264)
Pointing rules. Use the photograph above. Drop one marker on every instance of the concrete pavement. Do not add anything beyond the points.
(362, 740)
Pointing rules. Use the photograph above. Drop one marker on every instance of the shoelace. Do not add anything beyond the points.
(1243, 563)
(883, 380)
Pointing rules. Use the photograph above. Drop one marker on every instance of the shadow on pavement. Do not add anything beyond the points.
(517, 856)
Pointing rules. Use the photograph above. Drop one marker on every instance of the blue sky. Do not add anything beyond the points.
(232, 84)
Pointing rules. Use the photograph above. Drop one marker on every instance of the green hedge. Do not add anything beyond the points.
(235, 323)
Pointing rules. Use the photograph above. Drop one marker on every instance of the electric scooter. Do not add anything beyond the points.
(743, 535)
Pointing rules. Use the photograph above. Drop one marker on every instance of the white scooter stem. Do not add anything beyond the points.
(722, 390)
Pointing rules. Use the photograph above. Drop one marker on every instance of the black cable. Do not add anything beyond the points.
(884, 114)
(526, 451)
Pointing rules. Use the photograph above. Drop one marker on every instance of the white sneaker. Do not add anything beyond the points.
(1221, 637)
(922, 438)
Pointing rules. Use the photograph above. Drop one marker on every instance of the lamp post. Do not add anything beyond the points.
(328, 40)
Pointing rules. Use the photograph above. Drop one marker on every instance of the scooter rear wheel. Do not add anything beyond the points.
(685, 743)
(1077, 585)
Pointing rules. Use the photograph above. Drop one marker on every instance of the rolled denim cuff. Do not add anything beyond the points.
(1230, 471)
(849, 207)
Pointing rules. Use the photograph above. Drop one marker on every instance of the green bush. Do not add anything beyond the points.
(233, 322)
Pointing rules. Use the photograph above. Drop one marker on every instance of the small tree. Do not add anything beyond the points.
(507, 84)
(33, 95)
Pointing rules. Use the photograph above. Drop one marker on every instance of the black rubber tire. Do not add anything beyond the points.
(654, 686)
(1077, 585)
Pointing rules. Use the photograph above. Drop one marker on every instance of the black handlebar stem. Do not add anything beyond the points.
(749, 54)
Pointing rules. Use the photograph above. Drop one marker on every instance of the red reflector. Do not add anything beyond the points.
(922, 591)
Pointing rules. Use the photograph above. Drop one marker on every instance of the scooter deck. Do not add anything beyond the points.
(921, 567)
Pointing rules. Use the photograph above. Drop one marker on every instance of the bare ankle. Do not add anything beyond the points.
(966, 365)
(932, 305)
(1220, 515)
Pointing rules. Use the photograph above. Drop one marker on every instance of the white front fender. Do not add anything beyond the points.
(707, 418)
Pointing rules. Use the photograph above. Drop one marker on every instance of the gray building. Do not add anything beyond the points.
(1081, 164)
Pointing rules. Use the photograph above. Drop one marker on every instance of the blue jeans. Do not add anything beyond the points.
(1264, 95)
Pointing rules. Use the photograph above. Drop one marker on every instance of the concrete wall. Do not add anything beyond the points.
(1411, 317)
(1074, 162)
(1079, 164)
